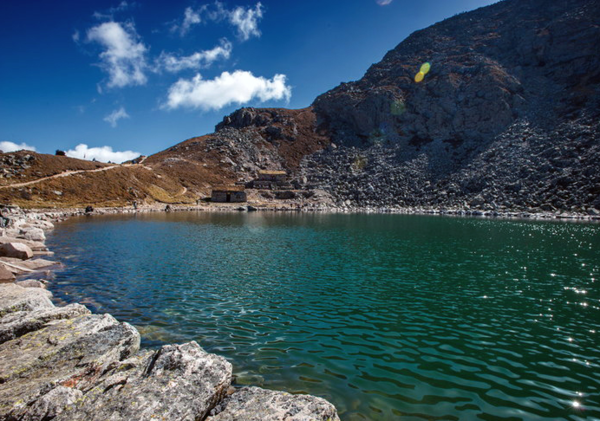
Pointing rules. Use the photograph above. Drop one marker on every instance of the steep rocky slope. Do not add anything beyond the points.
(506, 117)
(246, 141)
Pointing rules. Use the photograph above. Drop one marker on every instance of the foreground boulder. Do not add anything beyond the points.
(256, 404)
(64, 363)
(177, 382)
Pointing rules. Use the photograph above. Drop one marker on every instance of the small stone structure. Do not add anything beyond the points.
(270, 179)
(228, 194)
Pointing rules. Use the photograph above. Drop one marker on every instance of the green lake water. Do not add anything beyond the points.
(387, 316)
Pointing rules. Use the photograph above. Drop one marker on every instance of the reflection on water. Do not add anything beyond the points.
(387, 316)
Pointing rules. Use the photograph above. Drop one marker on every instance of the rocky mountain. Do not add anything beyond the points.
(505, 118)
(494, 109)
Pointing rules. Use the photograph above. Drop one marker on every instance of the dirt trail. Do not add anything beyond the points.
(69, 173)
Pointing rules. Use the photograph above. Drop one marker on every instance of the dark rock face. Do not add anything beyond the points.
(488, 68)
(507, 117)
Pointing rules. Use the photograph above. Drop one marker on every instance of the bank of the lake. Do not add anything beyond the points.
(385, 315)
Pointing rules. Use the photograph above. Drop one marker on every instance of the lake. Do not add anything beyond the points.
(387, 316)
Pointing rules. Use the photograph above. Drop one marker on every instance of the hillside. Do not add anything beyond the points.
(504, 116)
(33, 180)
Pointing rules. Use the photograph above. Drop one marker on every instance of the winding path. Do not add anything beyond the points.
(69, 173)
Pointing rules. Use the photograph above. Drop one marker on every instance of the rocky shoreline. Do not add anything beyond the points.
(65, 363)
(292, 206)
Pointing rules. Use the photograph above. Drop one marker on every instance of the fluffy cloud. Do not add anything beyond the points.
(246, 21)
(190, 18)
(383, 2)
(115, 116)
(124, 56)
(202, 59)
(11, 147)
(238, 87)
(102, 154)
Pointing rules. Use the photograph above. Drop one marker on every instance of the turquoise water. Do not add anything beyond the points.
(387, 316)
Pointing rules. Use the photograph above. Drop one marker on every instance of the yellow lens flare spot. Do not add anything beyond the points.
(425, 68)
(419, 77)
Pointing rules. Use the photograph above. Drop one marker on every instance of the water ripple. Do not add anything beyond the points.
(387, 316)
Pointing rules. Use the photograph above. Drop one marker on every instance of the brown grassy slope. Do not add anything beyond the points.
(118, 186)
(23, 166)
(191, 166)
(84, 182)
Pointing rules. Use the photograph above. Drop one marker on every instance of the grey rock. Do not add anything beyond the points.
(31, 283)
(32, 234)
(256, 404)
(19, 323)
(72, 352)
(18, 250)
(15, 298)
(50, 405)
(6, 275)
(177, 382)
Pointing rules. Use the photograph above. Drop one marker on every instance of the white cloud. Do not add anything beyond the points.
(115, 116)
(124, 57)
(238, 87)
(190, 18)
(109, 14)
(383, 2)
(246, 21)
(12, 147)
(102, 154)
(198, 60)
(75, 36)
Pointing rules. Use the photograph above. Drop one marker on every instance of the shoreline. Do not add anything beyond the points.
(59, 214)
(66, 363)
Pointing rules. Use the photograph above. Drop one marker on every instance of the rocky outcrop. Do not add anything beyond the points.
(177, 382)
(70, 364)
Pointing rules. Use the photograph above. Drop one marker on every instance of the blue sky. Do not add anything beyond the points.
(143, 75)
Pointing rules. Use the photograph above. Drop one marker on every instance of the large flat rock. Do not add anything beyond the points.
(19, 323)
(256, 404)
(69, 352)
(177, 382)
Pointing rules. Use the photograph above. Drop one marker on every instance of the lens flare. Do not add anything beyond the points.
(425, 68)
(419, 77)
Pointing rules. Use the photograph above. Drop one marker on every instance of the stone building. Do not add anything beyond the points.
(228, 194)
(270, 179)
